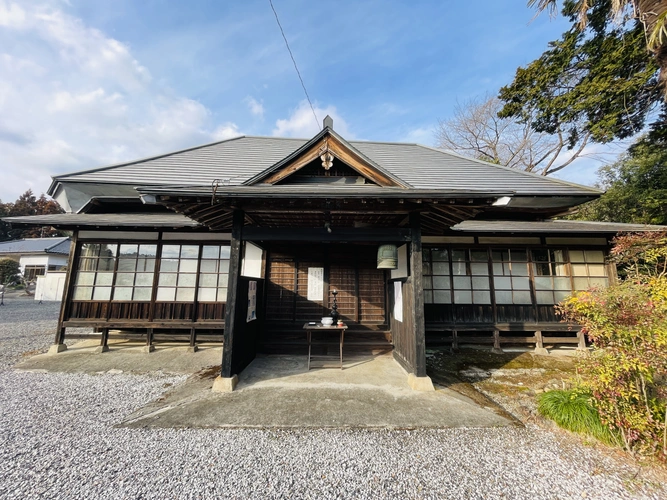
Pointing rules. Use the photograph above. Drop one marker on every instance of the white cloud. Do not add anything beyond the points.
(302, 123)
(72, 97)
(255, 106)
(420, 135)
(226, 131)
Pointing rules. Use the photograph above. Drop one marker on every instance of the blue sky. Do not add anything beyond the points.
(88, 83)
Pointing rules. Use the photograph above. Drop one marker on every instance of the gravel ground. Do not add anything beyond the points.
(58, 440)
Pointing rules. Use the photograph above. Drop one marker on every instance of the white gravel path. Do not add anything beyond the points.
(58, 440)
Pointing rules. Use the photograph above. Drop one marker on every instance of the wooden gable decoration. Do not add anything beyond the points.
(326, 148)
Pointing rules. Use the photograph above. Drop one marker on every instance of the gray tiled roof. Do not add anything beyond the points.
(171, 220)
(36, 245)
(237, 160)
(551, 226)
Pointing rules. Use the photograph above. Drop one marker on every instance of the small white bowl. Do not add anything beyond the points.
(327, 321)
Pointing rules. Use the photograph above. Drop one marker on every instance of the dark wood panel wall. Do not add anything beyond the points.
(349, 269)
(410, 334)
(246, 333)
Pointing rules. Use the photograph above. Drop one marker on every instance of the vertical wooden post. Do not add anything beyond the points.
(539, 343)
(496, 343)
(232, 293)
(418, 294)
(149, 347)
(104, 341)
(193, 340)
(455, 341)
(582, 341)
(72, 265)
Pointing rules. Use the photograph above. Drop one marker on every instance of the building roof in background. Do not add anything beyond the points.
(59, 245)
(235, 161)
(551, 226)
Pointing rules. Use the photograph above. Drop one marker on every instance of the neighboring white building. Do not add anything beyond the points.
(37, 256)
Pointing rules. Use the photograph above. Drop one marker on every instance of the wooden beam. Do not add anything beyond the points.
(72, 266)
(371, 234)
(298, 164)
(418, 294)
(232, 293)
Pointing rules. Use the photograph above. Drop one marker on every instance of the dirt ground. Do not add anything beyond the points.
(513, 380)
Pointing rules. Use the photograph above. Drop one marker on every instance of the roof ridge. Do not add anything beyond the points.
(505, 167)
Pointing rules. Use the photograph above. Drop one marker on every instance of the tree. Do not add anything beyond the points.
(598, 84)
(652, 14)
(10, 271)
(28, 204)
(636, 185)
(476, 130)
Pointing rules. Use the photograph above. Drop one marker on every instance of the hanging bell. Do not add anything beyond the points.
(387, 257)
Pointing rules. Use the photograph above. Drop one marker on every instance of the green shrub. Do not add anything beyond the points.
(573, 410)
(626, 373)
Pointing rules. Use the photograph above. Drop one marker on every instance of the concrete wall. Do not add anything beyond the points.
(51, 286)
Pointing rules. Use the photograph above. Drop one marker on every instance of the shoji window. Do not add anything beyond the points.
(94, 279)
(134, 277)
(551, 276)
(437, 276)
(588, 269)
(214, 273)
(178, 273)
(511, 277)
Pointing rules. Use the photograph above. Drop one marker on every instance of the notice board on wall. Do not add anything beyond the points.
(316, 284)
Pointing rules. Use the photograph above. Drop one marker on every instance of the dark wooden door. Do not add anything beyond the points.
(351, 271)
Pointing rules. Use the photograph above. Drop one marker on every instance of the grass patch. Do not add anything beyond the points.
(572, 410)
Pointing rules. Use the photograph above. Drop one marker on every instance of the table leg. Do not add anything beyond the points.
(342, 339)
(308, 338)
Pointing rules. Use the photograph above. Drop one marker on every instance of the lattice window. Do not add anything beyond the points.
(551, 276)
(214, 273)
(588, 269)
(466, 283)
(135, 272)
(94, 279)
(510, 276)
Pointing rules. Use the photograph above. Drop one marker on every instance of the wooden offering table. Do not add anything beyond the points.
(319, 327)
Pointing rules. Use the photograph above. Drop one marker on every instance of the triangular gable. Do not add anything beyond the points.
(327, 142)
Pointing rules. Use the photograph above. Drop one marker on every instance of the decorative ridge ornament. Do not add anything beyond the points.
(326, 156)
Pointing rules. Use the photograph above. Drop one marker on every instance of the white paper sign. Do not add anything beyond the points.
(316, 284)
(252, 301)
(398, 301)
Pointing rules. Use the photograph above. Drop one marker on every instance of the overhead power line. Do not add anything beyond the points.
(295, 66)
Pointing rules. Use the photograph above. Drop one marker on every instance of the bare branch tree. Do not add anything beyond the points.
(476, 130)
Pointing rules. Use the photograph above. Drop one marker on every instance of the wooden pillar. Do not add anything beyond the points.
(232, 293)
(149, 347)
(418, 294)
(539, 343)
(193, 340)
(455, 341)
(104, 341)
(496, 343)
(72, 267)
(582, 341)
